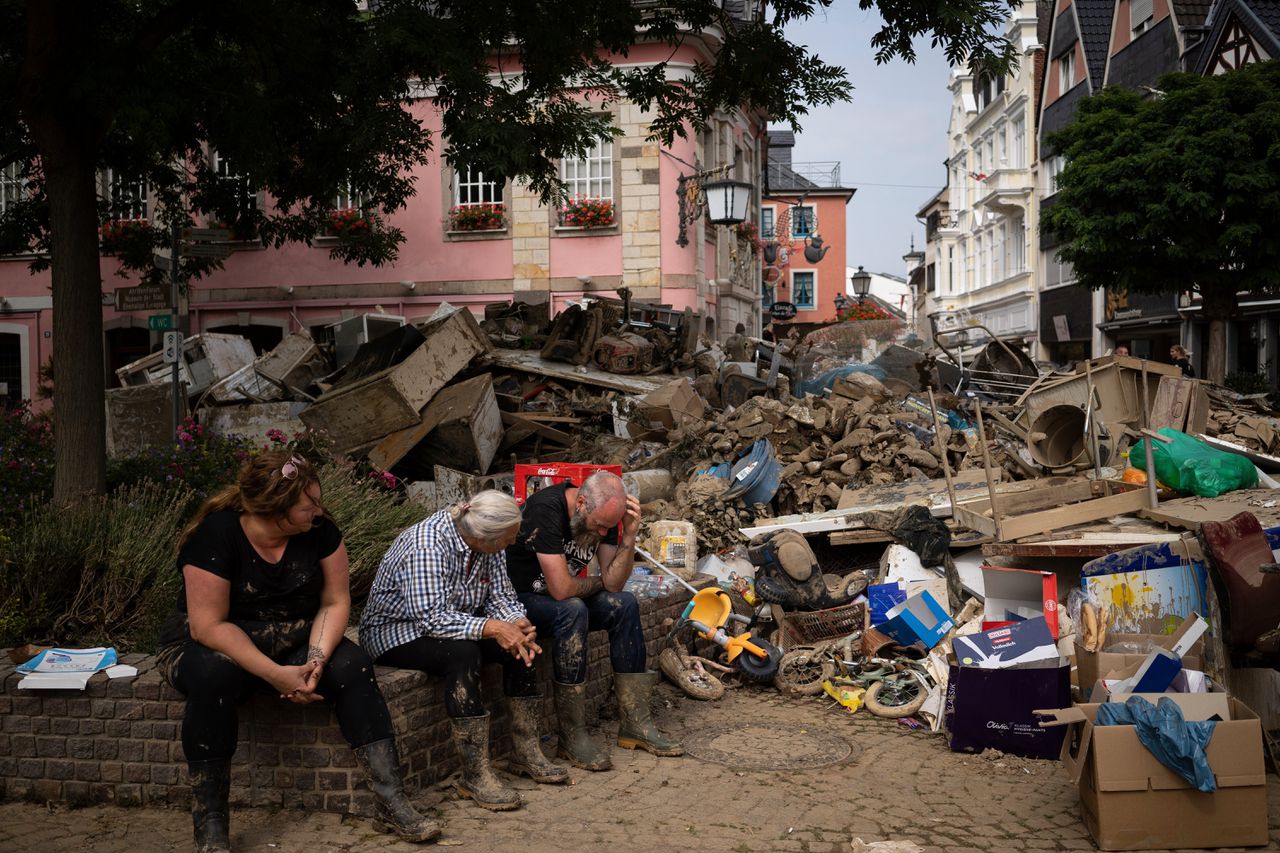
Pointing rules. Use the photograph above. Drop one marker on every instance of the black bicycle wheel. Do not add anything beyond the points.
(761, 670)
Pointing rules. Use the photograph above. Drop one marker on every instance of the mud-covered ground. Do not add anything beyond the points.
(802, 775)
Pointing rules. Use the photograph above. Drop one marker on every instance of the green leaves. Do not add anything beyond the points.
(1177, 192)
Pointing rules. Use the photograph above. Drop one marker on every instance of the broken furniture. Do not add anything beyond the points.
(354, 414)
(347, 336)
(140, 418)
(206, 358)
(461, 427)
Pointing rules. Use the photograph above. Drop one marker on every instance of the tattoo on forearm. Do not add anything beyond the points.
(315, 651)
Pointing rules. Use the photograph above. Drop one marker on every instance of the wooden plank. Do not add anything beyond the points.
(899, 494)
(1198, 410)
(531, 362)
(966, 517)
(551, 433)
(1038, 494)
(1265, 461)
(1065, 516)
(463, 400)
(1052, 549)
(1190, 513)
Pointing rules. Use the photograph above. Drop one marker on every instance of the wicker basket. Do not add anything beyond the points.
(804, 627)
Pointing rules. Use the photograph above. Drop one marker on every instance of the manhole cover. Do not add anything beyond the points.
(763, 747)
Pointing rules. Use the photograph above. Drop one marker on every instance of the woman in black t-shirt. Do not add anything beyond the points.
(266, 601)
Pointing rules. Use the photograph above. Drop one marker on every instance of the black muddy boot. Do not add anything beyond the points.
(394, 813)
(528, 757)
(636, 730)
(575, 744)
(210, 812)
(471, 735)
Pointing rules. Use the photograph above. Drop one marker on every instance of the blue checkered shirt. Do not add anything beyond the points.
(430, 584)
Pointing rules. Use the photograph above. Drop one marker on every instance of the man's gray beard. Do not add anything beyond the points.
(582, 537)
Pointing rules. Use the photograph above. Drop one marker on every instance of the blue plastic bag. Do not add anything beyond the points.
(1176, 743)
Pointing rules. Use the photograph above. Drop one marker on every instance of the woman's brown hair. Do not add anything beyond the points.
(269, 484)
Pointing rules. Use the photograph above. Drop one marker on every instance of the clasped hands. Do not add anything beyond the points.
(298, 683)
(516, 637)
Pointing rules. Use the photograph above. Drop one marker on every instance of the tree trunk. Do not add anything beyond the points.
(79, 414)
(1220, 305)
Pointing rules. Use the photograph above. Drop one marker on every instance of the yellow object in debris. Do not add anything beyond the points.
(1133, 475)
(850, 697)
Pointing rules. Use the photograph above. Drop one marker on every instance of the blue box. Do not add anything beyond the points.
(918, 619)
(881, 598)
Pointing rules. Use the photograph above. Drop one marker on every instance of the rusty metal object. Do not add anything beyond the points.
(873, 641)
(625, 353)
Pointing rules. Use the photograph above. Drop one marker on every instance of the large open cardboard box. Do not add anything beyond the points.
(1090, 666)
(1130, 801)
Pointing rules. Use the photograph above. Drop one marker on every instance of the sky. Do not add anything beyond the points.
(893, 132)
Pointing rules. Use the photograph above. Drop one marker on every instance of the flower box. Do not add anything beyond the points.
(583, 212)
(477, 217)
(348, 223)
(121, 235)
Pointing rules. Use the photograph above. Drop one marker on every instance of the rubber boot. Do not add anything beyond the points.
(210, 811)
(471, 735)
(528, 757)
(575, 744)
(636, 729)
(394, 813)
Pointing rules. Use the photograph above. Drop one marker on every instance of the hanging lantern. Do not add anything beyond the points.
(727, 201)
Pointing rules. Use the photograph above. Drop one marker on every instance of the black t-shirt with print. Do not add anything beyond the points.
(545, 530)
(260, 590)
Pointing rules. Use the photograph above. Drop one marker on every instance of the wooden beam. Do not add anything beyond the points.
(1065, 516)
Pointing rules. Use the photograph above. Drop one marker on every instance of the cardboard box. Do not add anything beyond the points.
(1019, 643)
(1020, 594)
(995, 708)
(1091, 666)
(666, 407)
(919, 618)
(1130, 801)
(1152, 596)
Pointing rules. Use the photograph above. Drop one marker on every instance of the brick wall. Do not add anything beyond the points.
(118, 741)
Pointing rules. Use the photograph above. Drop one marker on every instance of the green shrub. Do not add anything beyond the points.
(98, 573)
(26, 461)
(369, 515)
(1247, 383)
(203, 460)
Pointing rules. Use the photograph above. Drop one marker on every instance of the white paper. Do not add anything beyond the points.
(70, 660)
(121, 670)
(55, 681)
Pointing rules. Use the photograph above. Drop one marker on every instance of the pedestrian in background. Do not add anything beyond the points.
(1182, 358)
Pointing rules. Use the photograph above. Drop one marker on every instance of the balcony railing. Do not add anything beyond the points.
(803, 176)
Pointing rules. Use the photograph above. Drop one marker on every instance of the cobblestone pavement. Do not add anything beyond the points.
(895, 784)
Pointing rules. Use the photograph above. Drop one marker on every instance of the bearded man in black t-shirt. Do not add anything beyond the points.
(564, 527)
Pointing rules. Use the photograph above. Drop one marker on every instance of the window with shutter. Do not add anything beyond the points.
(1140, 15)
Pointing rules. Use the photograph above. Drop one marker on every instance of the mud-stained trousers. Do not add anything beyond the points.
(567, 623)
(459, 662)
(214, 685)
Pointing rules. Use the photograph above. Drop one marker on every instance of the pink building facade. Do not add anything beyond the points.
(533, 253)
(804, 208)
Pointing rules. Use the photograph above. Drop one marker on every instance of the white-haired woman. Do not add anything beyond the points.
(442, 603)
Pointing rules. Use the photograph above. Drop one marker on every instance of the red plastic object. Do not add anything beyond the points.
(575, 472)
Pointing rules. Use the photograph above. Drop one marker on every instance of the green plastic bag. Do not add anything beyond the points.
(1187, 464)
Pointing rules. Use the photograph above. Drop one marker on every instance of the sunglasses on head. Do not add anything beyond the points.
(289, 470)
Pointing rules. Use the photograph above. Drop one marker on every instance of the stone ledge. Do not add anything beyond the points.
(118, 741)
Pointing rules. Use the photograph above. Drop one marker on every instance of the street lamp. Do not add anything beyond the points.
(861, 281)
(727, 201)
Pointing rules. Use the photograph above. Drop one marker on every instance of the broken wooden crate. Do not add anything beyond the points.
(1013, 516)
(461, 426)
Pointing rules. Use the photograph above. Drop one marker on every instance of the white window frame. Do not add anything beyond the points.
(1052, 168)
(768, 222)
(225, 172)
(1067, 71)
(348, 198)
(1018, 132)
(1018, 245)
(1141, 13)
(137, 207)
(479, 190)
(811, 220)
(805, 306)
(590, 176)
(13, 187)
